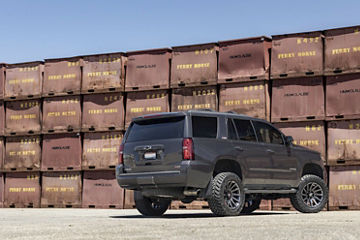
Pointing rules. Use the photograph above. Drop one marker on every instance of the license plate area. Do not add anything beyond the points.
(150, 156)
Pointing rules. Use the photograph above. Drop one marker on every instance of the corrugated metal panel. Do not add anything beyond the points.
(244, 60)
(23, 153)
(194, 65)
(2, 117)
(23, 117)
(148, 70)
(62, 76)
(23, 80)
(102, 112)
(62, 114)
(343, 142)
(342, 50)
(295, 55)
(2, 80)
(309, 134)
(61, 152)
(22, 190)
(344, 188)
(148, 102)
(101, 190)
(298, 99)
(103, 73)
(129, 202)
(194, 98)
(61, 189)
(250, 98)
(1, 190)
(341, 92)
(100, 150)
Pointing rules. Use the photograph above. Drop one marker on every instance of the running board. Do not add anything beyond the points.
(287, 191)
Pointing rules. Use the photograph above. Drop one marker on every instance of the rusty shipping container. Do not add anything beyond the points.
(250, 98)
(129, 202)
(62, 76)
(309, 134)
(342, 50)
(23, 80)
(298, 99)
(194, 65)
(148, 102)
(102, 112)
(344, 188)
(343, 142)
(101, 190)
(297, 55)
(2, 80)
(194, 98)
(100, 150)
(148, 70)
(61, 152)
(244, 60)
(23, 117)
(61, 189)
(265, 205)
(282, 204)
(2, 153)
(23, 153)
(342, 92)
(62, 114)
(22, 190)
(1, 189)
(2, 118)
(103, 73)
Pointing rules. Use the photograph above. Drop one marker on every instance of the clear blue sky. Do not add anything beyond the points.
(35, 30)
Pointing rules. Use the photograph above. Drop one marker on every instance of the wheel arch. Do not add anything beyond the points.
(314, 169)
(227, 165)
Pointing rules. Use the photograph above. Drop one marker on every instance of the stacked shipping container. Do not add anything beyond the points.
(63, 120)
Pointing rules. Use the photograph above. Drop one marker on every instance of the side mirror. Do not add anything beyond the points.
(289, 140)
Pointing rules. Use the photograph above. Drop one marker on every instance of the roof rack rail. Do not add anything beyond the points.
(231, 112)
(205, 110)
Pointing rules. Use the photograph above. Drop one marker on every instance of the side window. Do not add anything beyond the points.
(245, 130)
(231, 130)
(204, 127)
(267, 133)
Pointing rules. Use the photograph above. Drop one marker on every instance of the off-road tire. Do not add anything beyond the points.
(297, 199)
(251, 205)
(218, 202)
(150, 207)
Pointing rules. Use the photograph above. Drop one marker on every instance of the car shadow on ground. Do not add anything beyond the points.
(196, 215)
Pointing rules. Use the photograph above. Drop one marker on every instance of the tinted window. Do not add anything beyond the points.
(245, 130)
(204, 127)
(267, 133)
(154, 129)
(231, 130)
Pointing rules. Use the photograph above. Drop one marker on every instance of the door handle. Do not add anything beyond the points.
(239, 148)
(269, 151)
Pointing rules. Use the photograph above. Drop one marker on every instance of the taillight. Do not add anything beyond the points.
(121, 154)
(188, 149)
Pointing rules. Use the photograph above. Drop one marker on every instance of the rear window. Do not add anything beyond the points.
(154, 129)
(204, 127)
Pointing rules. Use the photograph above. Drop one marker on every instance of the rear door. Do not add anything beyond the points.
(154, 144)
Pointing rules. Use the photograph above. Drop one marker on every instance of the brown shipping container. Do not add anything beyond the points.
(22, 153)
(102, 112)
(1, 190)
(61, 114)
(295, 55)
(22, 190)
(129, 202)
(298, 99)
(282, 204)
(309, 134)
(2, 117)
(61, 189)
(2, 80)
(343, 142)
(244, 59)
(148, 70)
(101, 190)
(2, 153)
(194, 65)
(250, 98)
(62, 76)
(344, 188)
(184, 99)
(148, 102)
(342, 50)
(61, 152)
(103, 73)
(23, 117)
(100, 150)
(342, 96)
(23, 80)
(265, 205)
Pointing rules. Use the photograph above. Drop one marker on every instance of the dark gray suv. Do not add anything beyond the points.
(230, 160)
